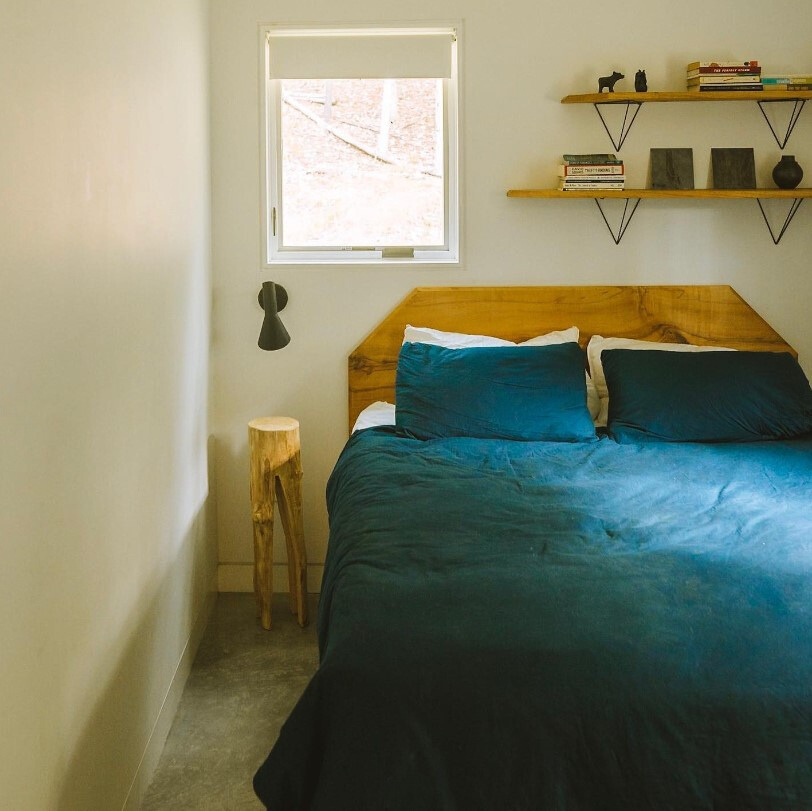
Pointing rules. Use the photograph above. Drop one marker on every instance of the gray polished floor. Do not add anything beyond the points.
(243, 684)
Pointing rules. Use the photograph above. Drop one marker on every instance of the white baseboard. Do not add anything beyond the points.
(240, 577)
(160, 731)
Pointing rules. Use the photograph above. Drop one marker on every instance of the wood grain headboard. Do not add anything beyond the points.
(699, 314)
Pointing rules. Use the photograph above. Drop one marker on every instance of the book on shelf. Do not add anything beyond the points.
(787, 83)
(589, 169)
(591, 158)
(791, 88)
(720, 88)
(601, 181)
(738, 71)
(727, 78)
(586, 181)
(799, 78)
(591, 187)
(725, 86)
(723, 67)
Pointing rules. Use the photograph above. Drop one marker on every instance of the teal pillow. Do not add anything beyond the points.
(516, 392)
(657, 396)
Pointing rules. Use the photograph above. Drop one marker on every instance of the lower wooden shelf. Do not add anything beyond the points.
(796, 196)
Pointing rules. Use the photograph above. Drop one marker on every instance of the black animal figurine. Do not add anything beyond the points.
(640, 83)
(608, 82)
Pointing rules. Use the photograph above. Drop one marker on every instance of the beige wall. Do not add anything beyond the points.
(105, 527)
(520, 58)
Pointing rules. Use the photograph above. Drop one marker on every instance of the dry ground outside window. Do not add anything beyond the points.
(343, 182)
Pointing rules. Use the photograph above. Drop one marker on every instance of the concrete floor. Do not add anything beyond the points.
(242, 686)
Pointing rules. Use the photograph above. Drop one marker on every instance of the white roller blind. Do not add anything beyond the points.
(380, 54)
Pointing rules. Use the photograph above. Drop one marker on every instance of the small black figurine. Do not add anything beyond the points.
(608, 82)
(640, 84)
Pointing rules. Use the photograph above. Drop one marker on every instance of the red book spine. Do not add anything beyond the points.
(591, 170)
(739, 69)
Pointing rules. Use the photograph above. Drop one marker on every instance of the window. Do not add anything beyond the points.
(361, 145)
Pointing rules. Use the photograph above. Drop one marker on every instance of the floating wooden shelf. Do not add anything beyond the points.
(686, 95)
(636, 100)
(797, 196)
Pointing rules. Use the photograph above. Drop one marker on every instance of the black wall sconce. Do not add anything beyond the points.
(272, 299)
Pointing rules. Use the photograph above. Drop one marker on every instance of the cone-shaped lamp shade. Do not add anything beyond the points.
(273, 334)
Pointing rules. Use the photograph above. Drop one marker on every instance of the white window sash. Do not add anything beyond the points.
(272, 203)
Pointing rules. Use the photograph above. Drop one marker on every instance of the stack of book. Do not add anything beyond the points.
(791, 81)
(716, 76)
(592, 172)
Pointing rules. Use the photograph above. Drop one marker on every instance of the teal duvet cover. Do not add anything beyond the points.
(531, 625)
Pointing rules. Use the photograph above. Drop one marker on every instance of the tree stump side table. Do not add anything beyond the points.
(276, 473)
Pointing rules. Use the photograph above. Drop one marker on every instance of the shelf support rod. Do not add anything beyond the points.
(625, 127)
(624, 220)
(796, 204)
(797, 106)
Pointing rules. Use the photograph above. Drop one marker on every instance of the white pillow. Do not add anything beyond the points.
(597, 344)
(593, 402)
(379, 413)
(461, 340)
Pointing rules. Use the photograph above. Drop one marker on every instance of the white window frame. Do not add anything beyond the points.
(273, 253)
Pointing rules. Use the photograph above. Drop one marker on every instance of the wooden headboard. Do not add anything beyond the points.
(699, 314)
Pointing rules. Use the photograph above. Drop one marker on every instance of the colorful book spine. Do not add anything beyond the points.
(721, 88)
(580, 181)
(725, 79)
(591, 158)
(585, 181)
(725, 67)
(773, 81)
(589, 169)
(591, 187)
(724, 71)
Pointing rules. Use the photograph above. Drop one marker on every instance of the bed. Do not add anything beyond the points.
(559, 625)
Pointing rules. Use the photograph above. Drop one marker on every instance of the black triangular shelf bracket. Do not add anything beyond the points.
(627, 122)
(625, 217)
(796, 204)
(797, 106)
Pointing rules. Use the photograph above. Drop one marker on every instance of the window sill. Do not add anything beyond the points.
(350, 258)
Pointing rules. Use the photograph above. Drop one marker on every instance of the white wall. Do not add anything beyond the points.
(107, 544)
(520, 58)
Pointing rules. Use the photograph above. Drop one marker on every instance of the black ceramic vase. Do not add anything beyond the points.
(787, 173)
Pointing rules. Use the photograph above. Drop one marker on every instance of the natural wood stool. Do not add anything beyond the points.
(276, 471)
